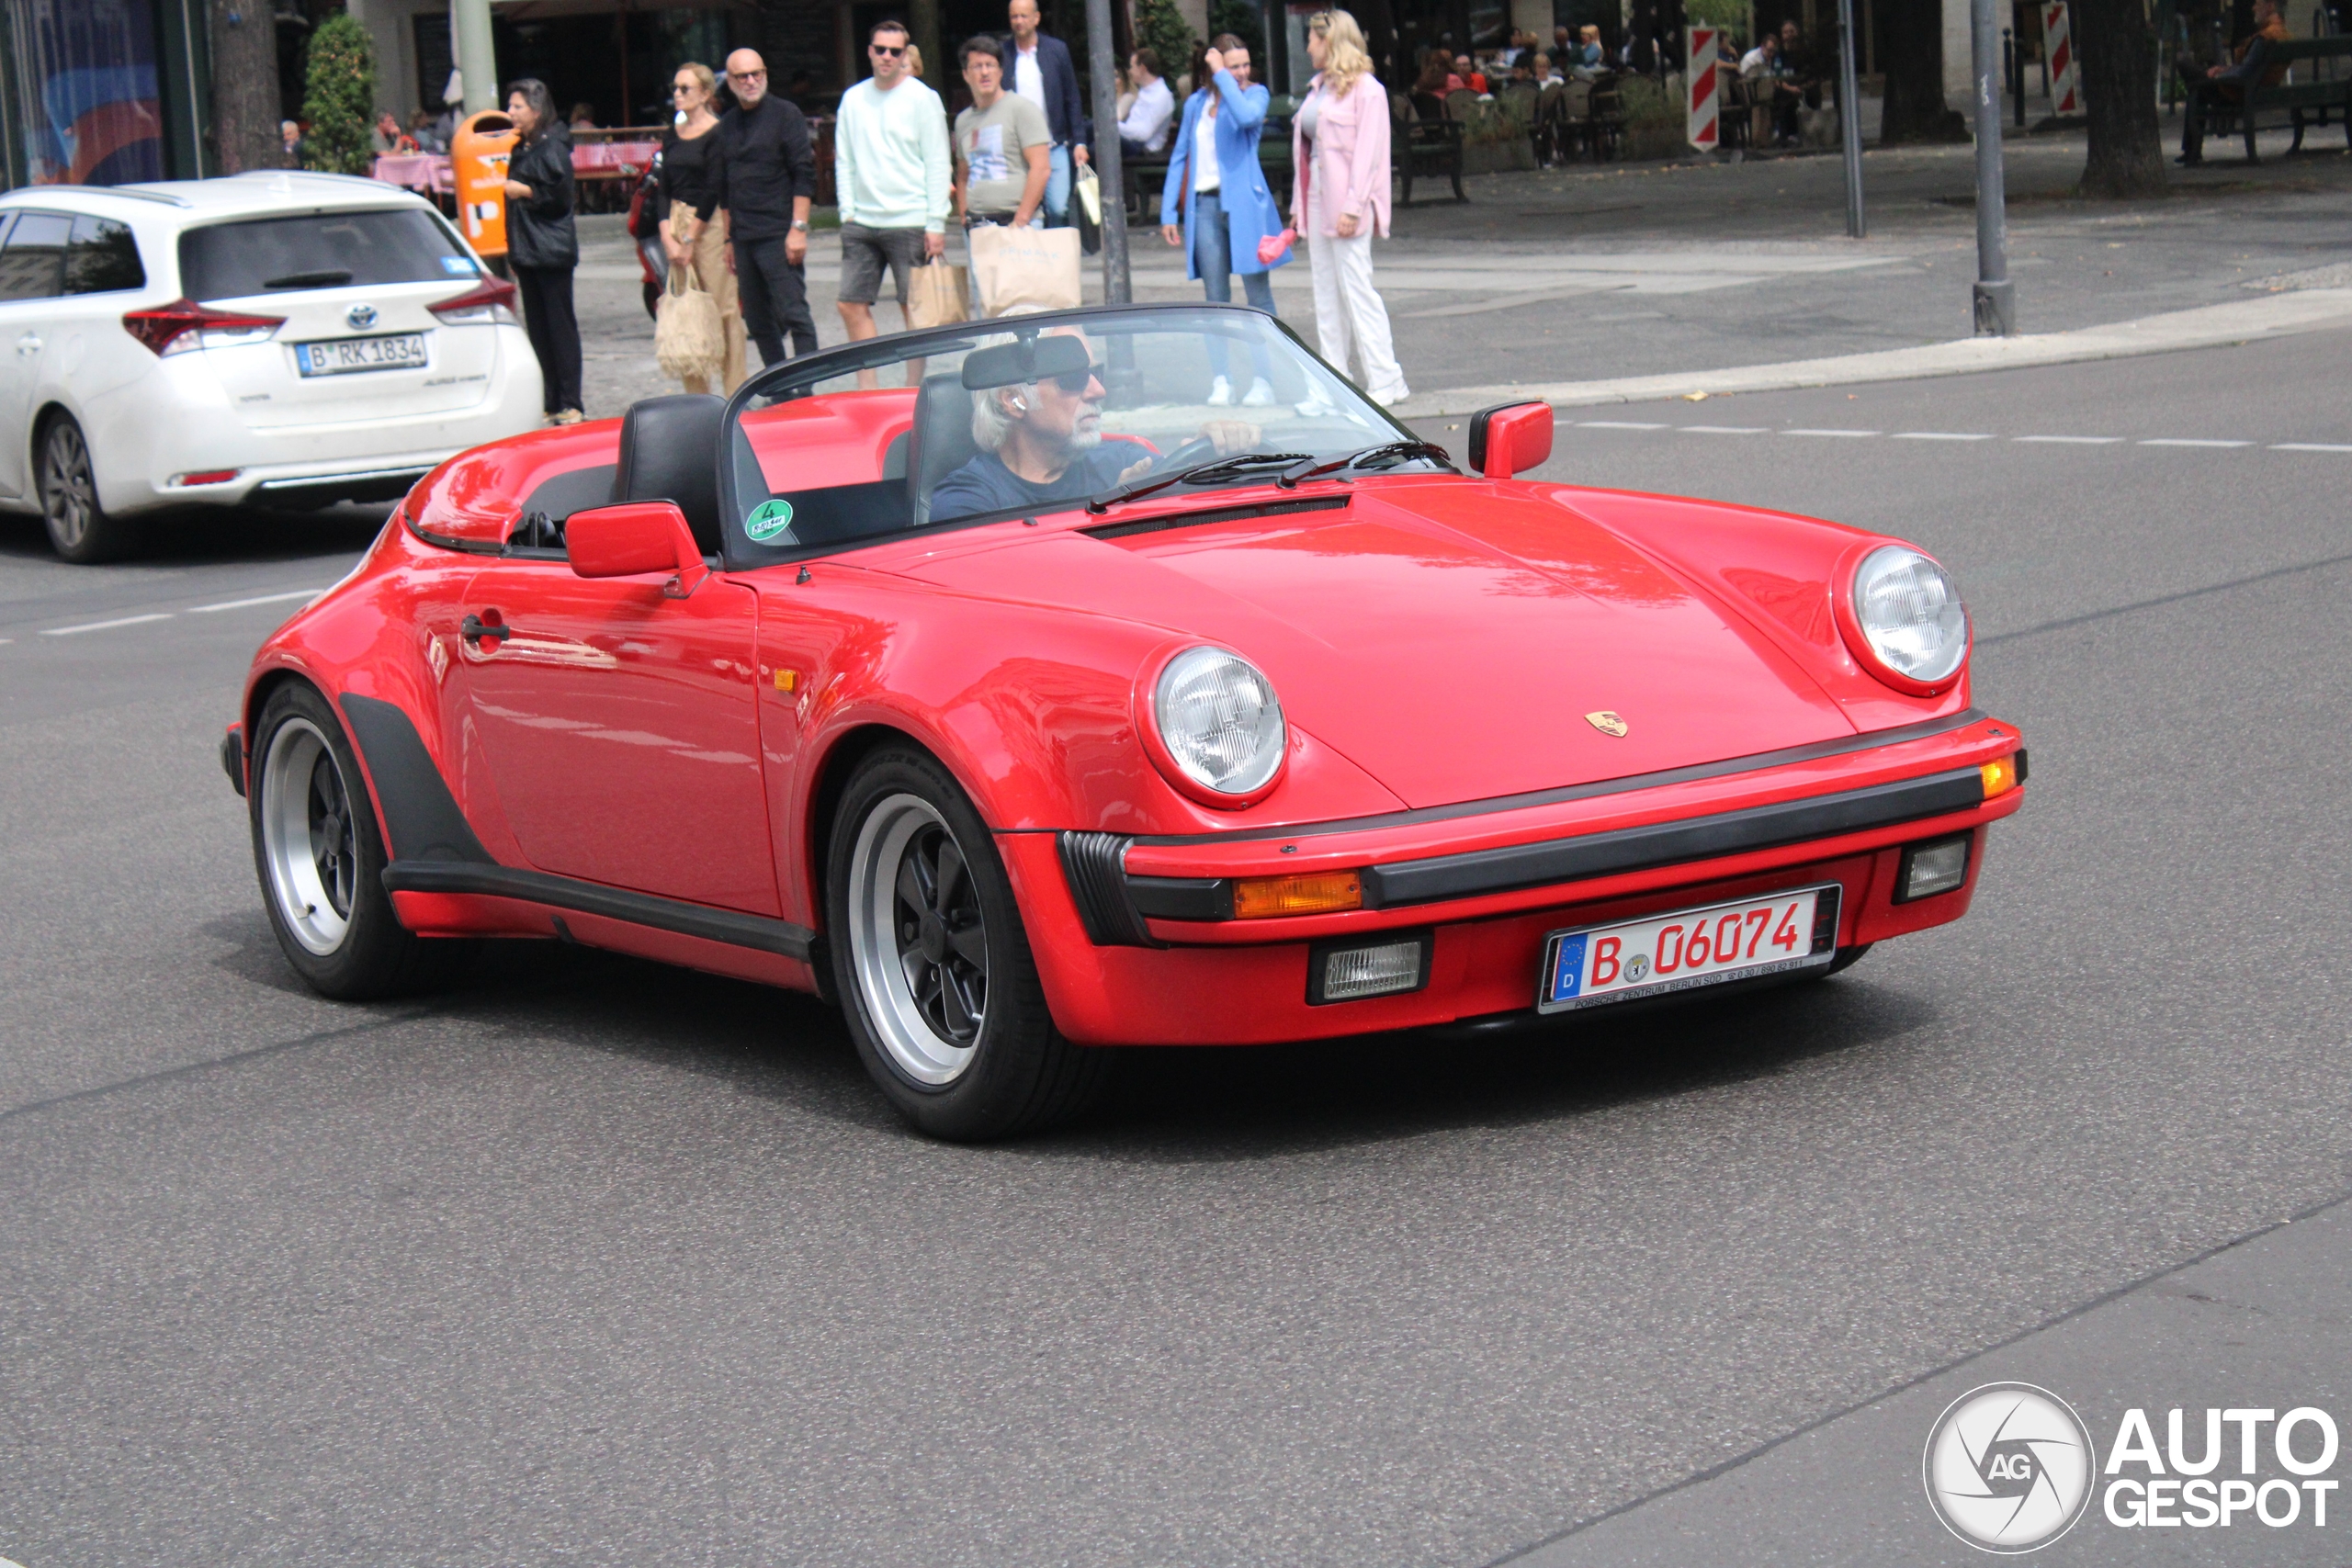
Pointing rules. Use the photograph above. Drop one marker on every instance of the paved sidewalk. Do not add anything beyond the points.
(1601, 271)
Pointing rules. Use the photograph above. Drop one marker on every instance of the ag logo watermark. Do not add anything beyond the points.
(2008, 1467)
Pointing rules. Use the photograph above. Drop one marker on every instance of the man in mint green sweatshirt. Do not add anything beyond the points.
(890, 169)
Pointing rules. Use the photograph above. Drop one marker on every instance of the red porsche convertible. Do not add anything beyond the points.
(1004, 685)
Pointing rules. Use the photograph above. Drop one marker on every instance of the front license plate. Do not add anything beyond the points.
(1586, 967)
(340, 357)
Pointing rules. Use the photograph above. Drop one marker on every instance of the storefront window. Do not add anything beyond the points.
(82, 74)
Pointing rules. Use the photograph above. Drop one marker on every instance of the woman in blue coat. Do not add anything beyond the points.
(1214, 163)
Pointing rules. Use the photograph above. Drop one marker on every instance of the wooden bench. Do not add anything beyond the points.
(1146, 176)
(2291, 103)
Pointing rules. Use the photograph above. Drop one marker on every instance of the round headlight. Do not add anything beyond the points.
(1219, 719)
(1910, 613)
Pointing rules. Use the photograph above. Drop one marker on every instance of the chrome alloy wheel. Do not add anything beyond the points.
(918, 940)
(69, 496)
(309, 843)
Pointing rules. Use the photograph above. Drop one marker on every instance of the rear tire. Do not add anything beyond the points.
(79, 529)
(932, 965)
(320, 859)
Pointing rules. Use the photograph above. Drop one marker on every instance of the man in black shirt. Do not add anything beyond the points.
(768, 177)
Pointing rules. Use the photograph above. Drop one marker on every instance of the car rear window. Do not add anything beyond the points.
(102, 258)
(319, 250)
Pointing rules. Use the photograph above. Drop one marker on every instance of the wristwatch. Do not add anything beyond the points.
(801, 223)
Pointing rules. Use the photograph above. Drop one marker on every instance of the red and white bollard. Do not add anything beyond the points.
(2058, 48)
(1704, 103)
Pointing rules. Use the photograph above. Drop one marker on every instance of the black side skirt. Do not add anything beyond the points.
(727, 926)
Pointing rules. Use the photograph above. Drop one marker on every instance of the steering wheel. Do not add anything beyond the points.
(1199, 449)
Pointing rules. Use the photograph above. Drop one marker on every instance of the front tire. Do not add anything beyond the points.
(321, 857)
(932, 964)
(79, 528)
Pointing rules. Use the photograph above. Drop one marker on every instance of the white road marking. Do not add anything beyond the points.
(104, 626)
(264, 599)
(1721, 429)
(1935, 435)
(2168, 440)
(1616, 425)
(2308, 447)
(2071, 440)
(1829, 432)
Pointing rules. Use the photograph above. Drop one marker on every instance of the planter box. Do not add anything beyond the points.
(1499, 157)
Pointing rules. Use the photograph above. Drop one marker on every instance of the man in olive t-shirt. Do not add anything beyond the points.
(1003, 146)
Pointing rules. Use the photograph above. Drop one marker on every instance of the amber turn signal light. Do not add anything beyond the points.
(1321, 893)
(2000, 775)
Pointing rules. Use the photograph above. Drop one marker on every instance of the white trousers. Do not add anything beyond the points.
(1349, 312)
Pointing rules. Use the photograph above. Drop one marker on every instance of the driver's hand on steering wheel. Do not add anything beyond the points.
(1229, 436)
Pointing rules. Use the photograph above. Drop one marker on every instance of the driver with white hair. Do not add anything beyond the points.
(1041, 443)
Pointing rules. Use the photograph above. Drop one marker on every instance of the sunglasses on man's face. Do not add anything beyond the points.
(1075, 382)
(747, 75)
(887, 51)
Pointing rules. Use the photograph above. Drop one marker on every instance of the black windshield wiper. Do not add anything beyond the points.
(1240, 462)
(326, 277)
(1402, 451)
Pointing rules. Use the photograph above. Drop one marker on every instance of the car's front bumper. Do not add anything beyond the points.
(1135, 944)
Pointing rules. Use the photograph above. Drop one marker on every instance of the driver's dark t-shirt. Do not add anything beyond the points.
(985, 484)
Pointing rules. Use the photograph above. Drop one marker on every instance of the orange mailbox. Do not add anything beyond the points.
(478, 154)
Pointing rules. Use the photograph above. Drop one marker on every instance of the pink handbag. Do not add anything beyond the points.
(1271, 248)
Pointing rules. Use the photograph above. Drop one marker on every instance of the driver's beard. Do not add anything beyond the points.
(1086, 440)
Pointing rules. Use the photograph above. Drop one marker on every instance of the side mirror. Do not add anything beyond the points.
(633, 538)
(1510, 438)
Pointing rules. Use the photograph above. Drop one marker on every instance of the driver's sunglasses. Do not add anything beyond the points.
(747, 75)
(887, 51)
(1075, 382)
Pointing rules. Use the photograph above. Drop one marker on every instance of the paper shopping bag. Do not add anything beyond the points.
(938, 293)
(1019, 271)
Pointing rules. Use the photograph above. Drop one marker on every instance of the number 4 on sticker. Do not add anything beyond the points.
(1787, 936)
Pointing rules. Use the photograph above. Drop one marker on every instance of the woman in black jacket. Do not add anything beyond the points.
(542, 246)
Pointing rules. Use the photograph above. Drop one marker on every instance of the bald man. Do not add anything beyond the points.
(768, 177)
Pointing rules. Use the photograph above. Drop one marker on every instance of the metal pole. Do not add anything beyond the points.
(1849, 120)
(477, 59)
(1996, 296)
(1117, 290)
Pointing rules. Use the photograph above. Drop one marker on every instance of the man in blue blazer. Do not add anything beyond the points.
(1039, 68)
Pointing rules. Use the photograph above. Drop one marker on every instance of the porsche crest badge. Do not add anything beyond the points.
(1607, 723)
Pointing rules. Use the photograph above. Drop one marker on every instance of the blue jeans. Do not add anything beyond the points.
(1213, 259)
(1058, 178)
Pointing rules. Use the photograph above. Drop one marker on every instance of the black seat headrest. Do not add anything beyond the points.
(942, 439)
(670, 452)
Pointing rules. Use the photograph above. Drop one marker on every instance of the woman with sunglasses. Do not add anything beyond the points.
(1216, 203)
(688, 169)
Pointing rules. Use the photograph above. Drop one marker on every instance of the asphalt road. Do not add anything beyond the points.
(594, 1261)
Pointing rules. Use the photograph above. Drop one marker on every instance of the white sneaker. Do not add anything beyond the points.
(1390, 399)
(1260, 396)
(1220, 393)
(1316, 408)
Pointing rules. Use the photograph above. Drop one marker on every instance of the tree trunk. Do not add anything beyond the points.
(1911, 51)
(938, 71)
(245, 87)
(2117, 56)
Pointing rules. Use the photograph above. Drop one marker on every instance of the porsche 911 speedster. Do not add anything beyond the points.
(996, 684)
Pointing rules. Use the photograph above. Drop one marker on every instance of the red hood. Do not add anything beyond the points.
(1447, 638)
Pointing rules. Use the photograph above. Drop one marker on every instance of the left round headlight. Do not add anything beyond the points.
(1908, 611)
(1219, 721)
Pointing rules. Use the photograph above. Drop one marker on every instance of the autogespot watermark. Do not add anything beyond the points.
(2009, 1468)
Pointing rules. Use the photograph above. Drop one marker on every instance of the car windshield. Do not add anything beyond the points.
(1037, 414)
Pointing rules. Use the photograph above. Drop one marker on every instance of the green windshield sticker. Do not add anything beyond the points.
(768, 519)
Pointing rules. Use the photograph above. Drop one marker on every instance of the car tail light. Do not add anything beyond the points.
(1317, 893)
(183, 326)
(493, 304)
(208, 477)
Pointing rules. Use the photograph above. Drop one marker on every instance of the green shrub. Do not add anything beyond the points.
(1162, 26)
(1241, 18)
(339, 97)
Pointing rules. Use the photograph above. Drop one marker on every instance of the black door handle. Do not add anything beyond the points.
(473, 629)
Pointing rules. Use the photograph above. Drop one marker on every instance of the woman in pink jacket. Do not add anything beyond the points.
(1339, 147)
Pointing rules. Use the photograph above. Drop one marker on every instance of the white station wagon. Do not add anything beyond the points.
(272, 338)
